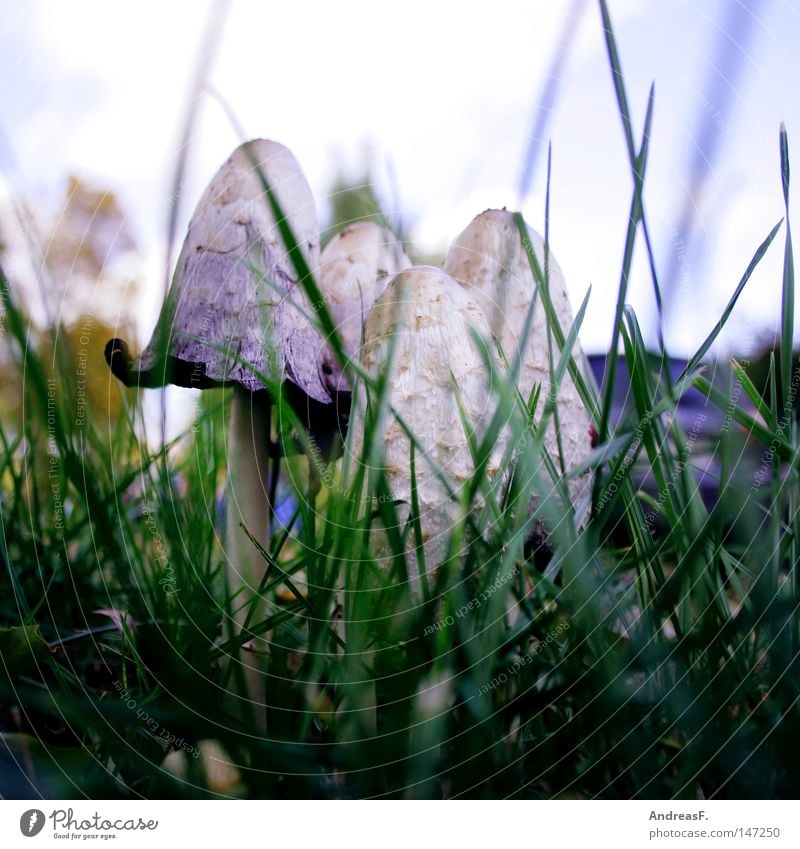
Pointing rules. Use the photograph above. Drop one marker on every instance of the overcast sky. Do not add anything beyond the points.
(440, 98)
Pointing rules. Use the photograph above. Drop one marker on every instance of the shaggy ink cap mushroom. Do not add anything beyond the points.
(490, 261)
(235, 310)
(356, 266)
(422, 328)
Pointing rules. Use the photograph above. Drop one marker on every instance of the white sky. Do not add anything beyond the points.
(444, 93)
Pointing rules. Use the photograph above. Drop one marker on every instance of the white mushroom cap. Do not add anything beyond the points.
(425, 317)
(235, 286)
(489, 260)
(355, 268)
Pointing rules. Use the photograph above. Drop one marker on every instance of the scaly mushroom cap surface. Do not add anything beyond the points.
(235, 299)
(489, 260)
(355, 268)
(424, 319)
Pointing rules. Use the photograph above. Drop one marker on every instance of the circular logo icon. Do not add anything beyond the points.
(31, 822)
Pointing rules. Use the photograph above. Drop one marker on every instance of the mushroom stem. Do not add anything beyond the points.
(248, 505)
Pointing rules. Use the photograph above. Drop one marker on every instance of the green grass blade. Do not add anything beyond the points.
(787, 295)
(711, 338)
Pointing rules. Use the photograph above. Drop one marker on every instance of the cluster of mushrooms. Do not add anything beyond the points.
(237, 313)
